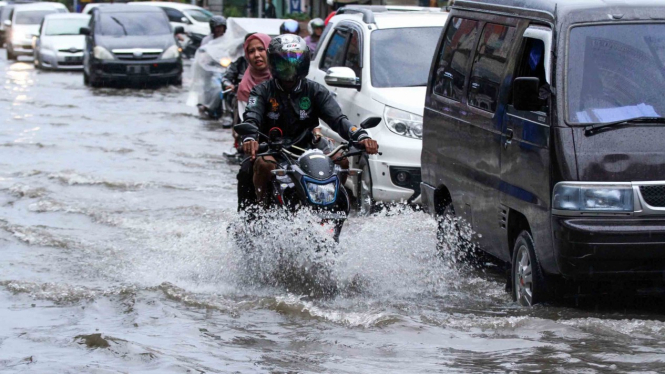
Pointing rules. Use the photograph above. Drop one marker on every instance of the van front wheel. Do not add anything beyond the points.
(528, 281)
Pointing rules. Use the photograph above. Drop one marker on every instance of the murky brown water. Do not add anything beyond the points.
(114, 208)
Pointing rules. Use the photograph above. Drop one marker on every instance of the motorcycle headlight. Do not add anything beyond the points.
(171, 52)
(593, 198)
(102, 53)
(321, 194)
(404, 123)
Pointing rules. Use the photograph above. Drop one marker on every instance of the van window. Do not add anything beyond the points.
(334, 55)
(489, 65)
(532, 65)
(459, 41)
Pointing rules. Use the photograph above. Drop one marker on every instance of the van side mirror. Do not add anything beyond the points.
(7, 23)
(179, 30)
(371, 122)
(185, 20)
(84, 31)
(341, 76)
(525, 93)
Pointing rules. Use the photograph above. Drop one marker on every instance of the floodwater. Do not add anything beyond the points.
(116, 257)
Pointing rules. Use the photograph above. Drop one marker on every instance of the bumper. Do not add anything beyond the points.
(61, 61)
(607, 248)
(22, 49)
(154, 70)
(398, 154)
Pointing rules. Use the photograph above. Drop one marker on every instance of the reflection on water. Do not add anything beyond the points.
(118, 219)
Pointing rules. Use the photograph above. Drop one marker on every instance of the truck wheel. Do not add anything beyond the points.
(528, 280)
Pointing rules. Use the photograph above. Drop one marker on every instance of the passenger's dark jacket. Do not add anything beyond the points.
(235, 71)
(270, 106)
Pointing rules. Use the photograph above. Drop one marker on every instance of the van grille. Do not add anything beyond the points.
(654, 195)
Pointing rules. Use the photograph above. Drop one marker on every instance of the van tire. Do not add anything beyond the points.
(529, 286)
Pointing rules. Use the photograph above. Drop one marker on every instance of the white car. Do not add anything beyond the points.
(23, 25)
(376, 62)
(192, 18)
(59, 44)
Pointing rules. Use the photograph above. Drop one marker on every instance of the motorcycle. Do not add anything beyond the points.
(191, 42)
(311, 179)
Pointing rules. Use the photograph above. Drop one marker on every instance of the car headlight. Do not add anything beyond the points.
(102, 53)
(404, 123)
(17, 38)
(321, 194)
(593, 197)
(171, 52)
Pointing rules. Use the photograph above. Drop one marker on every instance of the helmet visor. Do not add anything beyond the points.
(287, 63)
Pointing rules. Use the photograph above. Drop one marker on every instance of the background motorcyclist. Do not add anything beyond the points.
(294, 104)
(315, 29)
(289, 26)
(217, 29)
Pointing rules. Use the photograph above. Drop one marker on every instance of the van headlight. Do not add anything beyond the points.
(593, 197)
(321, 194)
(102, 53)
(171, 52)
(403, 123)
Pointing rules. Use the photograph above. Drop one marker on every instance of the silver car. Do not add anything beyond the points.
(59, 45)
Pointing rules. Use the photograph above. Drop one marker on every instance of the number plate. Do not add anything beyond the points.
(138, 69)
(73, 59)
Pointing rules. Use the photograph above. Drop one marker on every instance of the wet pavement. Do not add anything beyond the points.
(115, 257)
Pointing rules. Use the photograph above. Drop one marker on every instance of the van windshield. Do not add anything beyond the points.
(134, 24)
(616, 73)
(33, 17)
(402, 57)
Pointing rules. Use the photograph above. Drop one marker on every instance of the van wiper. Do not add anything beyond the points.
(120, 23)
(592, 129)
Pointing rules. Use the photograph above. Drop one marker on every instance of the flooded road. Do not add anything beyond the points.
(115, 258)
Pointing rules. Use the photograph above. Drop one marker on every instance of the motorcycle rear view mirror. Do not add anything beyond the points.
(245, 129)
(370, 122)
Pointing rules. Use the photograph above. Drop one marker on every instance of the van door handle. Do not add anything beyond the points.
(509, 137)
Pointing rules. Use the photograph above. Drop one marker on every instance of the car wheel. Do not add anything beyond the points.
(177, 81)
(528, 280)
(364, 189)
(10, 54)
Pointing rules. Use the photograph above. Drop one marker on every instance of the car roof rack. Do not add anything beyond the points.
(368, 11)
(368, 15)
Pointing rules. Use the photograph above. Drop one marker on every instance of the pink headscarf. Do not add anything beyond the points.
(253, 77)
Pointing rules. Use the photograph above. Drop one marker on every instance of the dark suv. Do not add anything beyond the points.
(130, 43)
(544, 130)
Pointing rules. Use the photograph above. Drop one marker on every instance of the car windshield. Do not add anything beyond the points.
(402, 57)
(32, 17)
(199, 15)
(134, 24)
(65, 26)
(616, 73)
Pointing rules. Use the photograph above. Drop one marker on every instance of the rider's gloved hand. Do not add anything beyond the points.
(250, 147)
(371, 146)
